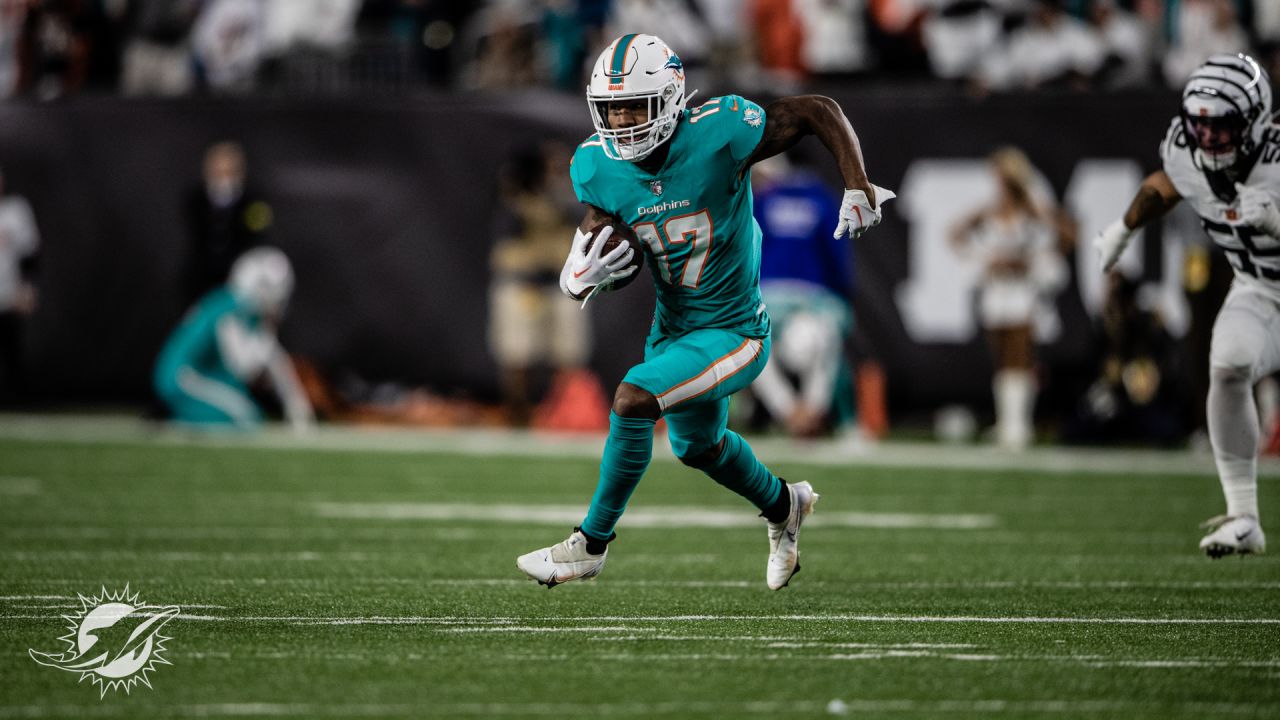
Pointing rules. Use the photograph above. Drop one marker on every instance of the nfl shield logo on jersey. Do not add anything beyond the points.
(656, 187)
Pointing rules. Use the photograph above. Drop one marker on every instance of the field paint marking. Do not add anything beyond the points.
(402, 532)
(868, 651)
(193, 555)
(857, 585)
(19, 486)
(492, 442)
(654, 517)
(420, 620)
(545, 629)
(77, 606)
(837, 707)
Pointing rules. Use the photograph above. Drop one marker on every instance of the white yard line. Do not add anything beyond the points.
(908, 619)
(648, 517)
(837, 707)
(491, 442)
(1208, 585)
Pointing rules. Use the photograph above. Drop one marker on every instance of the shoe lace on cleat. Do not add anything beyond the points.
(1216, 522)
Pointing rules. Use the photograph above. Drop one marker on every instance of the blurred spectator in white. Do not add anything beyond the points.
(1201, 28)
(677, 22)
(959, 35)
(531, 327)
(1014, 239)
(13, 17)
(19, 247)
(228, 342)
(1127, 43)
(1053, 48)
(157, 58)
(228, 43)
(326, 25)
(224, 219)
(835, 36)
(732, 60)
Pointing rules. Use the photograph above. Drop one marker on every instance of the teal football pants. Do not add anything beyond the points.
(692, 376)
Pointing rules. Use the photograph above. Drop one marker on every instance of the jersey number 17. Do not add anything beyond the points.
(693, 230)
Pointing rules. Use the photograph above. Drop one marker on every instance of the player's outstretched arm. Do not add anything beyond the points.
(790, 119)
(1155, 197)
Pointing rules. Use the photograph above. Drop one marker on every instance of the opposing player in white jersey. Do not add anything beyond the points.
(1222, 155)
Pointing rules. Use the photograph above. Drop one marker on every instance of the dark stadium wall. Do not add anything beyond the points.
(386, 209)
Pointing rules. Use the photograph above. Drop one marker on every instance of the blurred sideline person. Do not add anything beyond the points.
(1221, 155)
(224, 219)
(1014, 239)
(19, 251)
(529, 324)
(807, 385)
(681, 178)
(1135, 397)
(226, 343)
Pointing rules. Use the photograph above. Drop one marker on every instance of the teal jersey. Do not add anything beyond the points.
(194, 343)
(693, 216)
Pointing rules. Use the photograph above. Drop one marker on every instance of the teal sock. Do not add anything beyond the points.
(740, 471)
(626, 456)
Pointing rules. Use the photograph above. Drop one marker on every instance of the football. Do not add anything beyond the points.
(622, 232)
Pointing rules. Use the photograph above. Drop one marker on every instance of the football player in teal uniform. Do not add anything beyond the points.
(679, 175)
(228, 340)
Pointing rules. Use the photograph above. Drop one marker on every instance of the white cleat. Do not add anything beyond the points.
(1233, 536)
(562, 562)
(784, 537)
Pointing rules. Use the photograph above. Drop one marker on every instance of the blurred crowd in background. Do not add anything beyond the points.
(49, 48)
(1147, 386)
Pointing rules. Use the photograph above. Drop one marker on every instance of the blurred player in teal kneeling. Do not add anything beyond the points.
(226, 342)
(680, 177)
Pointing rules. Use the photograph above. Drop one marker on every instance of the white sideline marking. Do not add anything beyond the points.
(508, 443)
(653, 517)
(19, 486)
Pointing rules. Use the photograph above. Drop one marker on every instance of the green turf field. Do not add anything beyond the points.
(383, 584)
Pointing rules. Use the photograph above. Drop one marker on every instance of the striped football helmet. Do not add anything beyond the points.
(637, 68)
(1228, 101)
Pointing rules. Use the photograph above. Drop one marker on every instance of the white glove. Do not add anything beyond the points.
(1258, 209)
(587, 268)
(1111, 242)
(856, 213)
